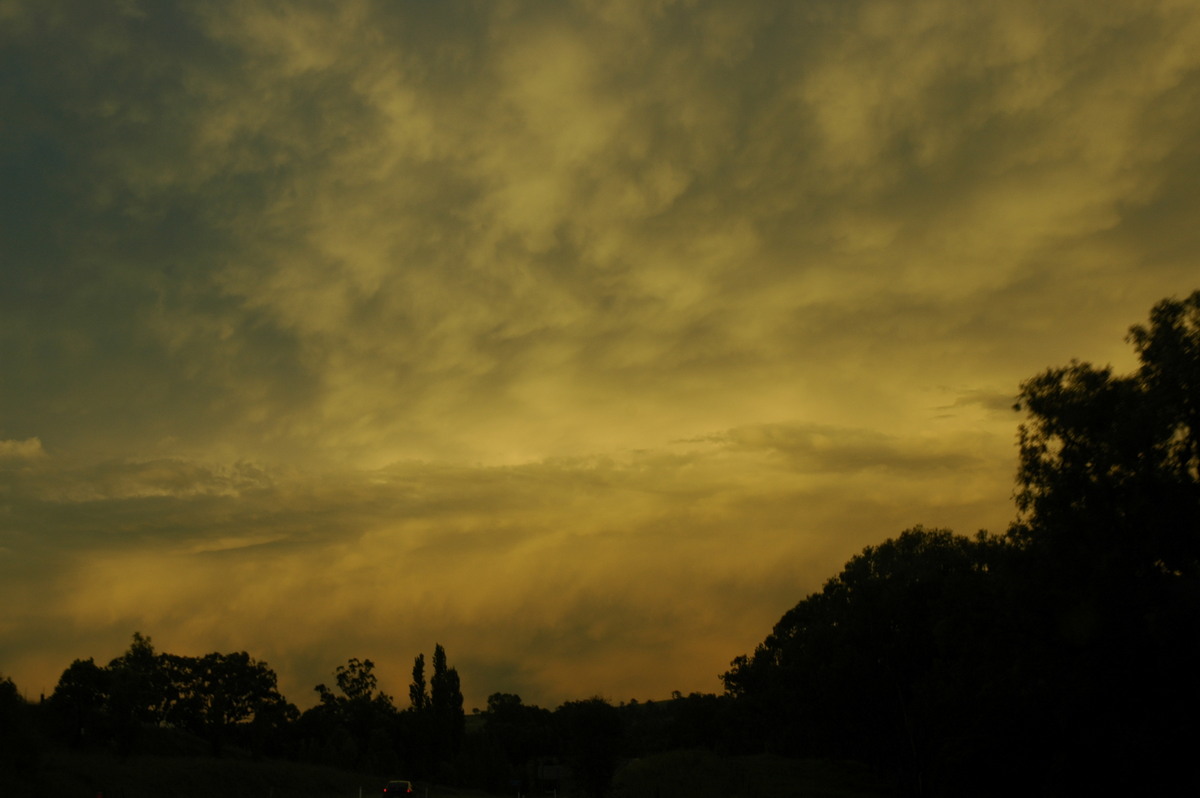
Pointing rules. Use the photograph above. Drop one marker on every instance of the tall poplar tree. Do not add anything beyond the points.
(446, 705)
(418, 694)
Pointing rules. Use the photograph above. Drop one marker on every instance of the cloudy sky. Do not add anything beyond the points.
(583, 338)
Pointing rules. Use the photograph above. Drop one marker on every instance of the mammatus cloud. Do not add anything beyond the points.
(614, 328)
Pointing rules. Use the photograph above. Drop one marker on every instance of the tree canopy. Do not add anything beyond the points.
(1109, 475)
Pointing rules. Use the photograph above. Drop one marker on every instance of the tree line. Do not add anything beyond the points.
(233, 700)
(146, 701)
(216, 697)
(1053, 659)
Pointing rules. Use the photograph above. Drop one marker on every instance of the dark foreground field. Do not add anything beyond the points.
(71, 774)
(700, 774)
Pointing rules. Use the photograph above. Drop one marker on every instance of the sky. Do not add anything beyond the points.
(583, 338)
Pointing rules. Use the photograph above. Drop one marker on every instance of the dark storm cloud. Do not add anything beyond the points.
(114, 328)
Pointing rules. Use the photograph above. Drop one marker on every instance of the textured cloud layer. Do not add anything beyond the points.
(584, 338)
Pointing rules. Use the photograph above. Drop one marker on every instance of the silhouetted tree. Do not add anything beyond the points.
(593, 739)
(855, 670)
(433, 724)
(139, 692)
(520, 733)
(418, 693)
(219, 694)
(446, 705)
(79, 703)
(20, 742)
(1109, 501)
(359, 714)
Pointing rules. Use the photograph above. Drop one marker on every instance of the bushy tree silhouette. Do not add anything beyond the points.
(518, 733)
(220, 697)
(850, 671)
(1109, 477)
(357, 721)
(79, 704)
(593, 737)
(216, 694)
(1109, 528)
